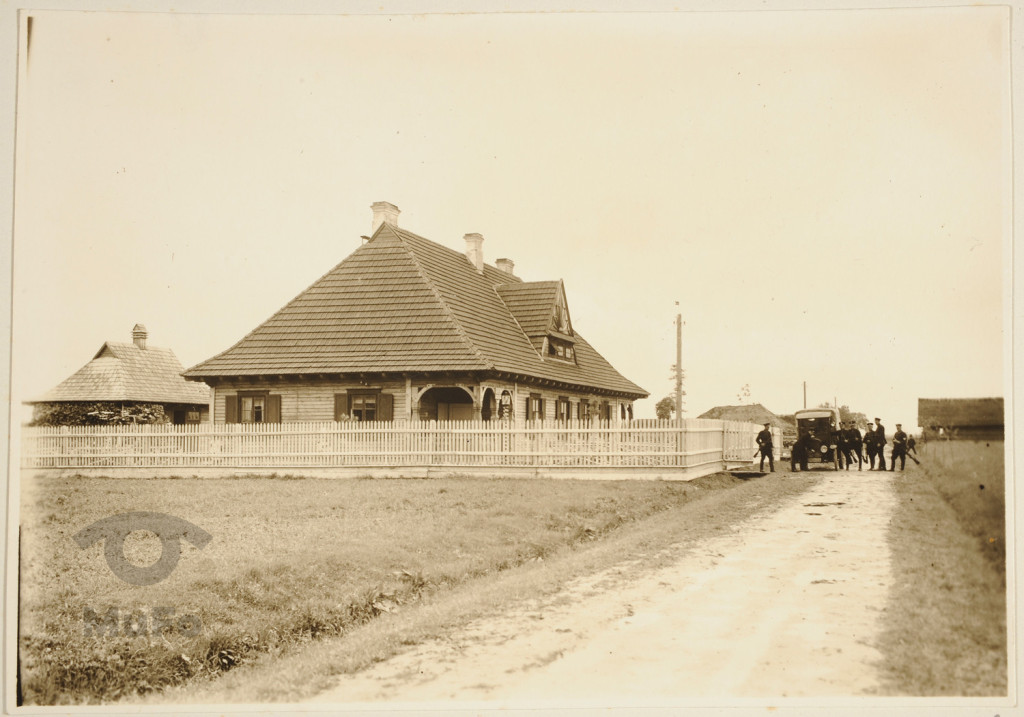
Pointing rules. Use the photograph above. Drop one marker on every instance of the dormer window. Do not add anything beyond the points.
(560, 349)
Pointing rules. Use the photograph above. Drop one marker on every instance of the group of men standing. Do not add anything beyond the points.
(849, 443)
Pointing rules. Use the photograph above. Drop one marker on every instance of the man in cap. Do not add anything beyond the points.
(764, 444)
(869, 445)
(899, 447)
(880, 443)
(853, 445)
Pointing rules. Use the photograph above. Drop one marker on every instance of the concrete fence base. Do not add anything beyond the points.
(420, 472)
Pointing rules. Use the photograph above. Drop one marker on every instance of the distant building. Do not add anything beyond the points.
(961, 418)
(750, 413)
(125, 380)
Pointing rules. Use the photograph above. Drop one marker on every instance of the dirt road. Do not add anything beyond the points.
(787, 605)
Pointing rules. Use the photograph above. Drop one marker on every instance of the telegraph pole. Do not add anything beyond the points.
(805, 394)
(679, 367)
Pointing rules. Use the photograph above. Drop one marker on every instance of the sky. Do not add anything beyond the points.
(824, 196)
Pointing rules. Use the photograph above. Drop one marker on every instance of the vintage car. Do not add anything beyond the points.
(816, 434)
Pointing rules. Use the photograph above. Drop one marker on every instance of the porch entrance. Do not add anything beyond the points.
(446, 404)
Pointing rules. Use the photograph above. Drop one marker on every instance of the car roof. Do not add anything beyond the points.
(817, 413)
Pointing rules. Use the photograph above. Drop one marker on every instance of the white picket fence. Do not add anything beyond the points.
(493, 444)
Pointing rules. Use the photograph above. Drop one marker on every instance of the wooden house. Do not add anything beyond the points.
(966, 418)
(126, 376)
(407, 329)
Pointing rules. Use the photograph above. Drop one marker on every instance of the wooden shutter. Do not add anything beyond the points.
(273, 408)
(231, 409)
(340, 405)
(385, 407)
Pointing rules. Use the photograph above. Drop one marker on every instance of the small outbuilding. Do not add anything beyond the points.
(125, 383)
(961, 418)
(754, 413)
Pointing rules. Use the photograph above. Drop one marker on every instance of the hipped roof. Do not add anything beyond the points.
(124, 372)
(402, 303)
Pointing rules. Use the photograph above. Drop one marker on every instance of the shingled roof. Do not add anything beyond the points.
(125, 372)
(402, 303)
(966, 412)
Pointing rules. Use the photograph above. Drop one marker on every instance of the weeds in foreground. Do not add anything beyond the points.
(334, 548)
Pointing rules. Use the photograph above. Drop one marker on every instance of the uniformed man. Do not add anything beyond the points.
(764, 444)
(842, 449)
(880, 443)
(912, 450)
(869, 445)
(853, 445)
(899, 447)
(800, 451)
(837, 438)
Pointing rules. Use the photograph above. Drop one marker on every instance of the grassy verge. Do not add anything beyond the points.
(970, 475)
(945, 623)
(643, 545)
(291, 561)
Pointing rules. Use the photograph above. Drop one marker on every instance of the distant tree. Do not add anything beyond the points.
(846, 415)
(671, 398)
(664, 408)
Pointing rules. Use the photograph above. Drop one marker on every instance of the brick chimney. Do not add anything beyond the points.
(475, 251)
(384, 213)
(139, 335)
(505, 265)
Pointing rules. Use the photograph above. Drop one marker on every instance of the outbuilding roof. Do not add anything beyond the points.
(403, 303)
(126, 372)
(748, 412)
(950, 412)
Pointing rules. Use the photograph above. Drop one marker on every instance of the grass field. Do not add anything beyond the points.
(291, 560)
(945, 624)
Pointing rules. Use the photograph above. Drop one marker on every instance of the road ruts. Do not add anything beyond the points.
(786, 605)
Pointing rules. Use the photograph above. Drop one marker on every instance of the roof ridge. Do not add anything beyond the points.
(440, 299)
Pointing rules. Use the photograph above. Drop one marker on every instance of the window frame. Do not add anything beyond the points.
(362, 395)
(535, 411)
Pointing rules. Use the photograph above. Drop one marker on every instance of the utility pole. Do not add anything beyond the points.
(679, 367)
(805, 394)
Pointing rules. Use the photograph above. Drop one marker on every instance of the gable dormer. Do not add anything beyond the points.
(542, 312)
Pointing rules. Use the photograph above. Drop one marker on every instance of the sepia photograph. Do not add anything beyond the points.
(379, 357)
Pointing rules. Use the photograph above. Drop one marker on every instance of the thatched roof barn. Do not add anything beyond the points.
(970, 418)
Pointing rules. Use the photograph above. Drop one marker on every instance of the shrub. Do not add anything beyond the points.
(96, 413)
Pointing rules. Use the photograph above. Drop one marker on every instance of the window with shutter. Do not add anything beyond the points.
(536, 407)
(562, 409)
(253, 407)
(362, 405)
